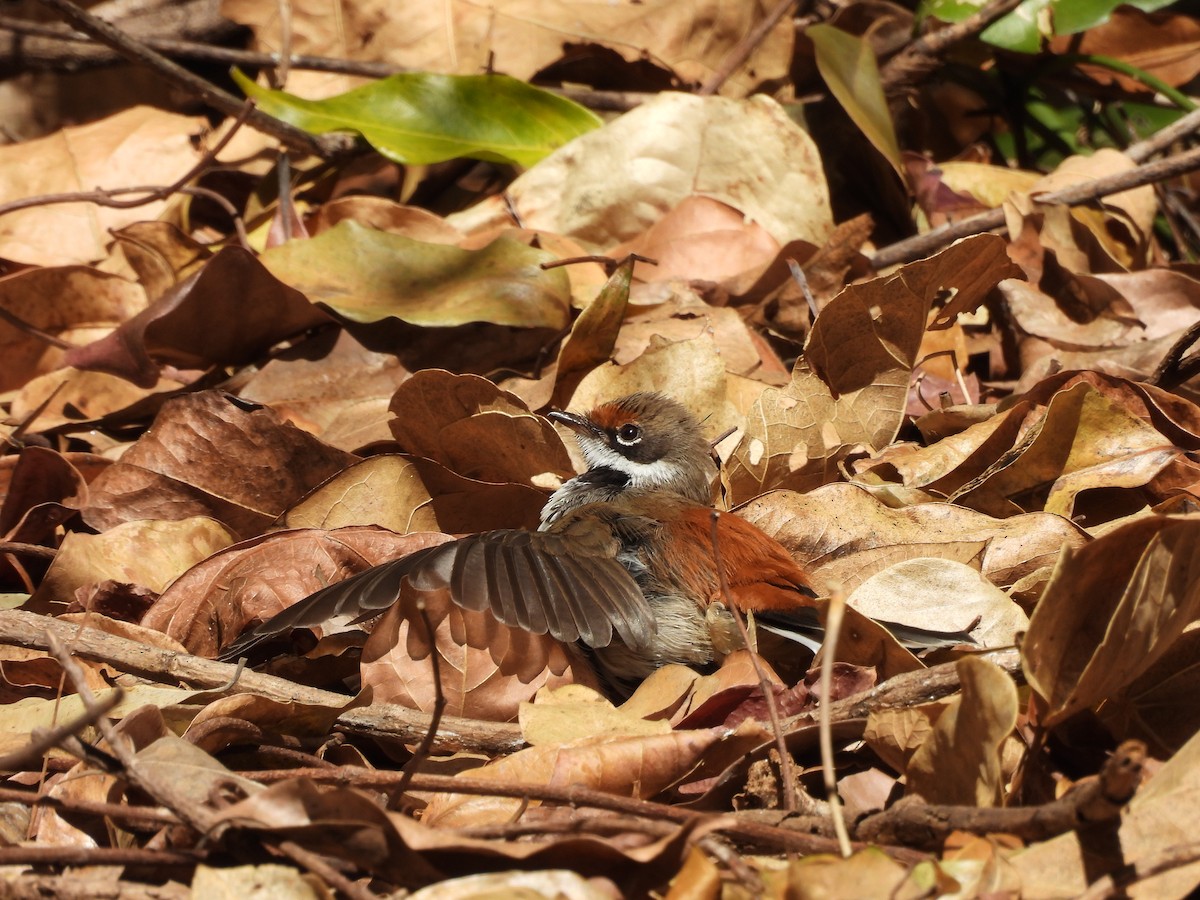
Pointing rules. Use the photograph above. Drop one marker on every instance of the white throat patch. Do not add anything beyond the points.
(657, 474)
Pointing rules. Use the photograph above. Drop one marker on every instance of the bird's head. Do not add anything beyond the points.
(652, 440)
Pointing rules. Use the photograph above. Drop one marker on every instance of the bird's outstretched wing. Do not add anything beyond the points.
(567, 584)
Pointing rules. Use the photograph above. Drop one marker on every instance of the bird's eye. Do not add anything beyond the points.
(629, 434)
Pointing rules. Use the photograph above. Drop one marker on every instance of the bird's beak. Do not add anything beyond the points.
(581, 425)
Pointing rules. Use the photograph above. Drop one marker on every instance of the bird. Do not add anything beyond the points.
(627, 559)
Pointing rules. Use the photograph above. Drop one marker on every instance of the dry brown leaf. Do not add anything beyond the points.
(231, 311)
(557, 716)
(522, 37)
(941, 595)
(140, 146)
(150, 553)
(1160, 817)
(86, 306)
(632, 766)
(214, 601)
(701, 239)
(209, 454)
(959, 763)
(1111, 610)
(850, 388)
(747, 154)
(845, 535)
(471, 427)
(331, 386)
(383, 490)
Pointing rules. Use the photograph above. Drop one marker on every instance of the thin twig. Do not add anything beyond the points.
(747, 45)
(42, 739)
(1074, 195)
(120, 812)
(325, 146)
(922, 57)
(833, 628)
(439, 706)
(787, 778)
(323, 870)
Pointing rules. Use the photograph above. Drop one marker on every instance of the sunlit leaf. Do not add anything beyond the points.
(847, 63)
(419, 118)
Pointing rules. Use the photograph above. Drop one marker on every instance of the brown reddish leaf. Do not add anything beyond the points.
(637, 767)
(74, 303)
(960, 761)
(382, 490)
(471, 427)
(701, 239)
(1111, 610)
(486, 669)
(209, 454)
(466, 505)
(141, 145)
(147, 552)
(594, 334)
(214, 601)
(231, 311)
(749, 155)
(850, 387)
(1164, 44)
(941, 595)
(331, 386)
(845, 535)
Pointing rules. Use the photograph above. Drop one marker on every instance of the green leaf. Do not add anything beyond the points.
(366, 275)
(1024, 29)
(419, 118)
(848, 66)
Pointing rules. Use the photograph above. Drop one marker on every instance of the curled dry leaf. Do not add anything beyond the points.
(213, 602)
(1111, 610)
(959, 762)
(560, 715)
(487, 670)
(471, 427)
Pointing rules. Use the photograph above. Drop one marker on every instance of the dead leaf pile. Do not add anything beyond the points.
(288, 370)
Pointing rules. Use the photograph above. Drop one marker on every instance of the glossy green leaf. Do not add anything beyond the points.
(367, 275)
(848, 66)
(419, 118)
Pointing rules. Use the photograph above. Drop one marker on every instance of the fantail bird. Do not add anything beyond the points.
(623, 560)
